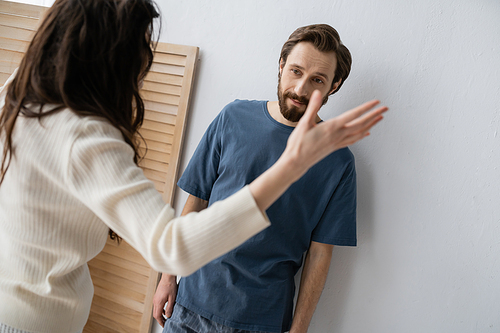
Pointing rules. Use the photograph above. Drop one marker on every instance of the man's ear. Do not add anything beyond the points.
(335, 86)
(282, 64)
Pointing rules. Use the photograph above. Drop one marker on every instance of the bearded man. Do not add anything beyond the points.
(251, 288)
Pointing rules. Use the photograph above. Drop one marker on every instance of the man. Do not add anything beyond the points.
(251, 288)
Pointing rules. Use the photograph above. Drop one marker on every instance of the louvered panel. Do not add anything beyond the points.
(18, 23)
(124, 284)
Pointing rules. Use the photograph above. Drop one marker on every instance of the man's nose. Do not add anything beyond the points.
(302, 88)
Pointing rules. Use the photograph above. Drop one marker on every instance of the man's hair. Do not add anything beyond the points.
(325, 39)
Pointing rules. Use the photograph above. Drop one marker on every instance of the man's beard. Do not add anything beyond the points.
(292, 113)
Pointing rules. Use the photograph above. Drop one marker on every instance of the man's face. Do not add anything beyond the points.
(306, 70)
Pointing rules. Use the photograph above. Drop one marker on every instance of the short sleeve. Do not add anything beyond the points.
(103, 176)
(202, 170)
(337, 225)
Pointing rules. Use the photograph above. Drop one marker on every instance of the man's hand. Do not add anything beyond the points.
(166, 293)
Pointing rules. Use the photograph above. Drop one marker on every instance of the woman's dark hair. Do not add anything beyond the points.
(88, 56)
(325, 39)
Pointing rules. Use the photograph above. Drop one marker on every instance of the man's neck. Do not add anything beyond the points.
(274, 110)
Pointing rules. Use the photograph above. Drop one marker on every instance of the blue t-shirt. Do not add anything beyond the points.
(252, 287)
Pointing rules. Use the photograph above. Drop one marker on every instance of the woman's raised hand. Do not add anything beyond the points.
(310, 142)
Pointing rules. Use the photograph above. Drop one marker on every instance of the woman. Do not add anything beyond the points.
(69, 176)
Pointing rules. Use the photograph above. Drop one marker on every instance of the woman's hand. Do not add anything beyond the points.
(309, 143)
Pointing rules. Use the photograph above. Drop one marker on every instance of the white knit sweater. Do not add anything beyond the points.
(71, 179)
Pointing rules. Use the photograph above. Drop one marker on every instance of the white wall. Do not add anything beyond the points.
(429, 201)
(429, 177)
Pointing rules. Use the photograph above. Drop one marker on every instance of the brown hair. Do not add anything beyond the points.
(88, 56)
(325, 39)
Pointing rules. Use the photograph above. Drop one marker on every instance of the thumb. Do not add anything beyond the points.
(312, 109)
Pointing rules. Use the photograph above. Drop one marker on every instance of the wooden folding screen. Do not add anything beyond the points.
(124, 283)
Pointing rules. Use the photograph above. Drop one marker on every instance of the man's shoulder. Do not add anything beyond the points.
(337, 163)
(242, 106)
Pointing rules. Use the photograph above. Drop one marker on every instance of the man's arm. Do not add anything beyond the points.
(166, 292)
(313, 279)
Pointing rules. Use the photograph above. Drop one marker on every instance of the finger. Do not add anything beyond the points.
(355, 136)
(169, 309)
(367, 118)
(312, 109)
(157, 314)
(356, 112)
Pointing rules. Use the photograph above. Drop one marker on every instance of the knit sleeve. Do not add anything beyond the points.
(102, 175)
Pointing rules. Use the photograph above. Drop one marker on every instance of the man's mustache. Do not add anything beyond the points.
(300, 99)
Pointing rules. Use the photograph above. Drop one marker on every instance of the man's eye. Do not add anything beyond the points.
(318, 81)
(295, 71)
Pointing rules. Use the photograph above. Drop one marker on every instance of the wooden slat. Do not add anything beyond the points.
(118, 290)
(162, 88)
(93, 327)
(175, 80)
(159, 186)
(170, 59)
(108, 323)
(118, 280)
(132, 276)
(160, 117)
(130, 254)
(124, 262)
(156, 155)
(156, 136)
(11, 56)
(154, 165)
(157, 146)
(118, 298)
(22, 9)
(3, 78)
(167, 69)
(159, 107)
(159, 127)
(27, 23)
(117, 308)
(8, 67)
(160, 98)
(16, 33)
(154, 175)
(13, 45)
(132, 319)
